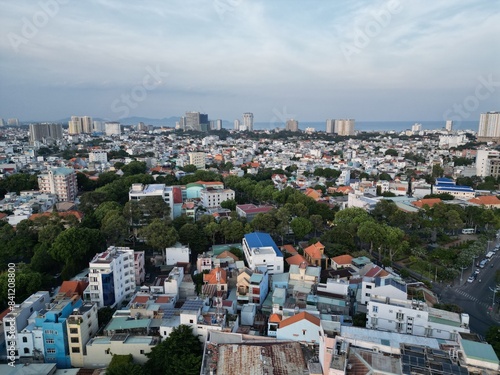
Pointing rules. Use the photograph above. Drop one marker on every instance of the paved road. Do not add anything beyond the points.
(474, 298)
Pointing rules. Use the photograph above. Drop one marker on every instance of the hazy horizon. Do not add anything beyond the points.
(372, 61)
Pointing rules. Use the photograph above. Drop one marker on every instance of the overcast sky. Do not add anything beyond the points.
(311, 60)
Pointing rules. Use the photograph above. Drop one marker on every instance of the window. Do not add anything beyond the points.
(142, 351)
(191, 321)
(75, 350)
(75, 340)
(303, 332)
(25, 339)
(400, 316)
(73, 330)
(368, 287)
(51, 351)
(49, 341)
(399, 326)
(375, 309)
(367, 294)
(26, 351)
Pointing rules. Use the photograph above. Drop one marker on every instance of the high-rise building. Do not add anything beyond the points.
(489, 126)
(59, 181)
(292, 125)
(330, 126)
(488, 163)
(75, 125)
(2, 122)
(196, 121)
(415, 128)
(344, 127)
(86, 124)
(45, 132)
(215, 124)
(237, 125)
(99, 156)
(248, 120)
(13, 122)
(449, 125)
(112, 128)
(111, 276)
(98, 127)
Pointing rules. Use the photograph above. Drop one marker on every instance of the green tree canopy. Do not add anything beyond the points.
(159, 235)
(180, 353)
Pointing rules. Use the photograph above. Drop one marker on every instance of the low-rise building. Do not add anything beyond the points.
(414, 318)
(261, 251)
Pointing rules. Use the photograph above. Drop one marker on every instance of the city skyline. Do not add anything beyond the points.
(386, 61)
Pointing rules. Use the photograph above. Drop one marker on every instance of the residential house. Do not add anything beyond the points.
(315, 255)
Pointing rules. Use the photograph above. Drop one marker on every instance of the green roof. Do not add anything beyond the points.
(122, 322)
(447, 322)
(480, 351)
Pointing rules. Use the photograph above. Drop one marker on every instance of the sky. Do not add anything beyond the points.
(390, 60)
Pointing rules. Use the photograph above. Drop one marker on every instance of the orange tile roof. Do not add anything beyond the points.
(487, 200)
(163, 299)
(275, 318)
(429, 201)
(227, 254)
(289, 249)
(71, 287)
(211, 278)
(141, 299)
(77, 214)
(314, 251)
(314, 194)
(342, 259)
(296, 259)
(297, 318)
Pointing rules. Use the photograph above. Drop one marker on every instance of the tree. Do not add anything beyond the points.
(74, 248)
(105, 207)
(391, 152)
(437, 171)
(229, 204)
(189, 168)
(211, 230)
(190, 235)
(371, 232)
(317, 222)
(493, 338)
(134, 167)
(123, 364)
(27, 282)
(159, 235)
(114, 227)
(235, 231)
(301, 227)
(180, 353)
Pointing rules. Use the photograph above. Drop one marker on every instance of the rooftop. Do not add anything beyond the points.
(261, 240)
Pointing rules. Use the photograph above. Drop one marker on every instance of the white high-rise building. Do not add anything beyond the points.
(449, 125)
(86, 124)
(59, 181)
(489, 125)
(248, 120)
(100, 156)
(415, 128)
(237, 124)
(111, 277)
(488, 163)
(344, 127)
(212, 198)
(292, 125)
(75, 125)
(113, 128)
(330, 126)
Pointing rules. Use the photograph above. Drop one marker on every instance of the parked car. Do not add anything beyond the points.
(476, 272)
(470, 279)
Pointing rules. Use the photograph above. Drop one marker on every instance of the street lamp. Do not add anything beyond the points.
(494, 290)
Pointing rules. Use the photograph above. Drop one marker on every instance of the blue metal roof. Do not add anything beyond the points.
(258, 239)
(444, 181)
(455, 188)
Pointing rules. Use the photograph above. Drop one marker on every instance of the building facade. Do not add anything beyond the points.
(197, 159)
(261, 251)
(489, 126)
(344, 127)
(292, 125)
(111, 277)
(45, 133)
(212, 198)
(248, 121)
(59, 181)
(81, 326)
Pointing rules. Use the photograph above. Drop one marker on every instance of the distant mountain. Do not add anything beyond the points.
(166, 121)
